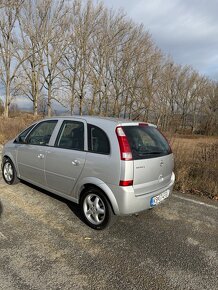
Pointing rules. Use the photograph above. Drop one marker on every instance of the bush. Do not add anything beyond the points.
(1, 107)
(196, 165)
(10, 127)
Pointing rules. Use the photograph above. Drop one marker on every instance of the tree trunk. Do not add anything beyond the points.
(125, 106)
(72, 104)
(80, 105)
(49, 100)
(92, 108)
(35, 108)
(7, 100)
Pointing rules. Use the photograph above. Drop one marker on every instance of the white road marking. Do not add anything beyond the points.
(195, 201)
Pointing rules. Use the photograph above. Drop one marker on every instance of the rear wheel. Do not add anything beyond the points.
(9, 172)
(96, 209)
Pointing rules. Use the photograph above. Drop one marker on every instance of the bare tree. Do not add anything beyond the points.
(54, 16)
(31, 27)
(9, 64)
(99, 77)
(95, 60)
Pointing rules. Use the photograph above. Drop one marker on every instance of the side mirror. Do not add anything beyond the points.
(17, 140)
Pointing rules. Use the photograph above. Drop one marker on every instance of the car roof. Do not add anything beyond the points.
(97, 120)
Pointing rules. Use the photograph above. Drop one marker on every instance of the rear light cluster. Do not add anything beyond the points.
(125, 152)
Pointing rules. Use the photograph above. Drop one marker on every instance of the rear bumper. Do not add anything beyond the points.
(129, 203)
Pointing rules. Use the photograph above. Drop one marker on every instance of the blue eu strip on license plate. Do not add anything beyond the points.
(155, 200)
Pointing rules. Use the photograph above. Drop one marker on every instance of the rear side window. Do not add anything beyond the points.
(146, 142)
(98, 141)
(71, 136)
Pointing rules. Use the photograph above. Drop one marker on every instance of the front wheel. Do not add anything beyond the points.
(9, 172)
(96, 209)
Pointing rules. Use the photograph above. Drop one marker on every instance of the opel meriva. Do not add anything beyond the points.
(108, 166)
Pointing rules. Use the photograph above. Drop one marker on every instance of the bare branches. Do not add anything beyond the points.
(93, 60)
(9, 65)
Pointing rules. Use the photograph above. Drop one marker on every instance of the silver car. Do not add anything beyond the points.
(108, 166)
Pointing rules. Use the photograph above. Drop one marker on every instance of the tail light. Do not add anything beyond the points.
(125, 150)
(126, 182)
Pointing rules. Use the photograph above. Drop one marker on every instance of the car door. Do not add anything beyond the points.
(31, 154)
(65, 161)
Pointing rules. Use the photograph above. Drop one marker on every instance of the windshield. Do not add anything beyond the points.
(146, 142)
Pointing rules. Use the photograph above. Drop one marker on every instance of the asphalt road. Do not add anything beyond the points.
(45, 245)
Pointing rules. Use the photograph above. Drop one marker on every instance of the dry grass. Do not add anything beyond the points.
(196, 164)
(10, 127)
(196, 157)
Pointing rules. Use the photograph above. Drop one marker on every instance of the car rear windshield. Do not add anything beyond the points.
(146, 142)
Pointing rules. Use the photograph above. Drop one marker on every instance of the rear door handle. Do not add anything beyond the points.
(75, 162)
(41, 156)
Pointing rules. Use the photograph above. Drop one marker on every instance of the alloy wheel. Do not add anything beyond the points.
(8, 172)
(94, 209)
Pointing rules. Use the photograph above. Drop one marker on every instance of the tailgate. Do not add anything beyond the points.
(152, 174)
(152, 157)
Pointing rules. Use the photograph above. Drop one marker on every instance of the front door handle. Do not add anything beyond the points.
(41, 156)
(75, 162)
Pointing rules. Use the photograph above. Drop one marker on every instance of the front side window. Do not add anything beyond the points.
(146, 142)
(97, 140)
(22, 136)
(71, 136)
(41, 134)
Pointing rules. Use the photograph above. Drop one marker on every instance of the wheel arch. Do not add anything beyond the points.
(105, 190)
(8, 155)
(10, 178)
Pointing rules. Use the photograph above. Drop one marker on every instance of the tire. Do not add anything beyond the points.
(9, 172)
(96, 209)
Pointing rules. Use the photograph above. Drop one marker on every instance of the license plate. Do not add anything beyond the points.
(155, 200)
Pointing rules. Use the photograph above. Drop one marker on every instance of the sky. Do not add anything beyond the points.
(187, 30)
